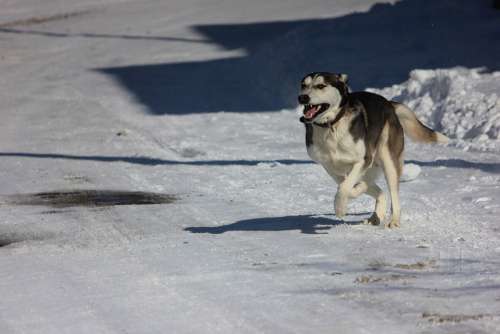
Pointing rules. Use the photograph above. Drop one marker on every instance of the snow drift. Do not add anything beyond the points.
(459, 102)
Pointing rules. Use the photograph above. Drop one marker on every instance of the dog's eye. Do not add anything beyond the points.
(303, 86)
(320, 86)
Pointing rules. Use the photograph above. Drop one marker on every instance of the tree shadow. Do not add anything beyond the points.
(377, 48)
(307, 224)
(488, 167)
(148, 161)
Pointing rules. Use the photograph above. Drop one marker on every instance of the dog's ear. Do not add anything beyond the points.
(343, 78)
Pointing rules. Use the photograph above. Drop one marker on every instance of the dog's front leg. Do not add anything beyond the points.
(345, 188)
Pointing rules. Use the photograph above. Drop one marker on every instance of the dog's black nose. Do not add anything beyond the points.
(303, 99)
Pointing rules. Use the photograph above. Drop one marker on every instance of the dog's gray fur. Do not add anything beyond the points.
(356, 136)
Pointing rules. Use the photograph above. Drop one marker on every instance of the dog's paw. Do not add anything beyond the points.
(340, 206)
(373, 220)
(393, 223)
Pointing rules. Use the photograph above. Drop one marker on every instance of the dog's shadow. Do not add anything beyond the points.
(307, 224)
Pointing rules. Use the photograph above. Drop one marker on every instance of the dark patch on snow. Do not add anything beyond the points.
(378, 265)
(7, 239)
(77, 179)
(420, 265)
(190, 153)
(54, 212)
(307, 224)
(456, 318)
(43, 19)
(364, 279)
(90, 198)
(51, 212)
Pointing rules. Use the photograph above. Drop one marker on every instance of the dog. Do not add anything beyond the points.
(356, 136)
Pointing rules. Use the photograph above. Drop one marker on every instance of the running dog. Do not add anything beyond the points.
(357, 135)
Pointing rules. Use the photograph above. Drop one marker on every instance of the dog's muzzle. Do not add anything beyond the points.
(313, 110)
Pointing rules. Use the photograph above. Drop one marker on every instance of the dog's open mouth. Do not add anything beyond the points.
(312, 110)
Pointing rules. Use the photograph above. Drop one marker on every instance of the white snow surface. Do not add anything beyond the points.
(410, 172)
(164, 97)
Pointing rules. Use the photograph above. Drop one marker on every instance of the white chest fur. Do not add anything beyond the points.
(335, 148)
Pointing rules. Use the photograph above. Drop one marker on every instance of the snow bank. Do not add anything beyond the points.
(462, 103)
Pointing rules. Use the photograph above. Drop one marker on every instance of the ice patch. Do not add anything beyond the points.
(482, 199)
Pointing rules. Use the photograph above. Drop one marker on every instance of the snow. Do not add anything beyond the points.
(459, 101)
(410, 172)
(195, 99)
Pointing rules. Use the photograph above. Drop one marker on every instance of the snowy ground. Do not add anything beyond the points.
(194, 99)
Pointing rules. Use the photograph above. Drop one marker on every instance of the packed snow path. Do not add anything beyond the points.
(155, 180)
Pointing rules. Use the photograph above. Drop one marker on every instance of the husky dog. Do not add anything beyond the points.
(355, 136)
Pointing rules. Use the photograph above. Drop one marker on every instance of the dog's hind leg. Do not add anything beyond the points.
(392, 168)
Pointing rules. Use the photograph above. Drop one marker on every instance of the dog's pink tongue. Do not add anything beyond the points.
(310, 113)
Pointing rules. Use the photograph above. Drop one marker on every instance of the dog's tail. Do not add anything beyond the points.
(414, 128)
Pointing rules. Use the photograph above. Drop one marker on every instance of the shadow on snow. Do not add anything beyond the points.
(148, 161)
(488, 167)
(304, 223)
(377, 48)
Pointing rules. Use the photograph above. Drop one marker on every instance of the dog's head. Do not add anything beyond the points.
(321, 94)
